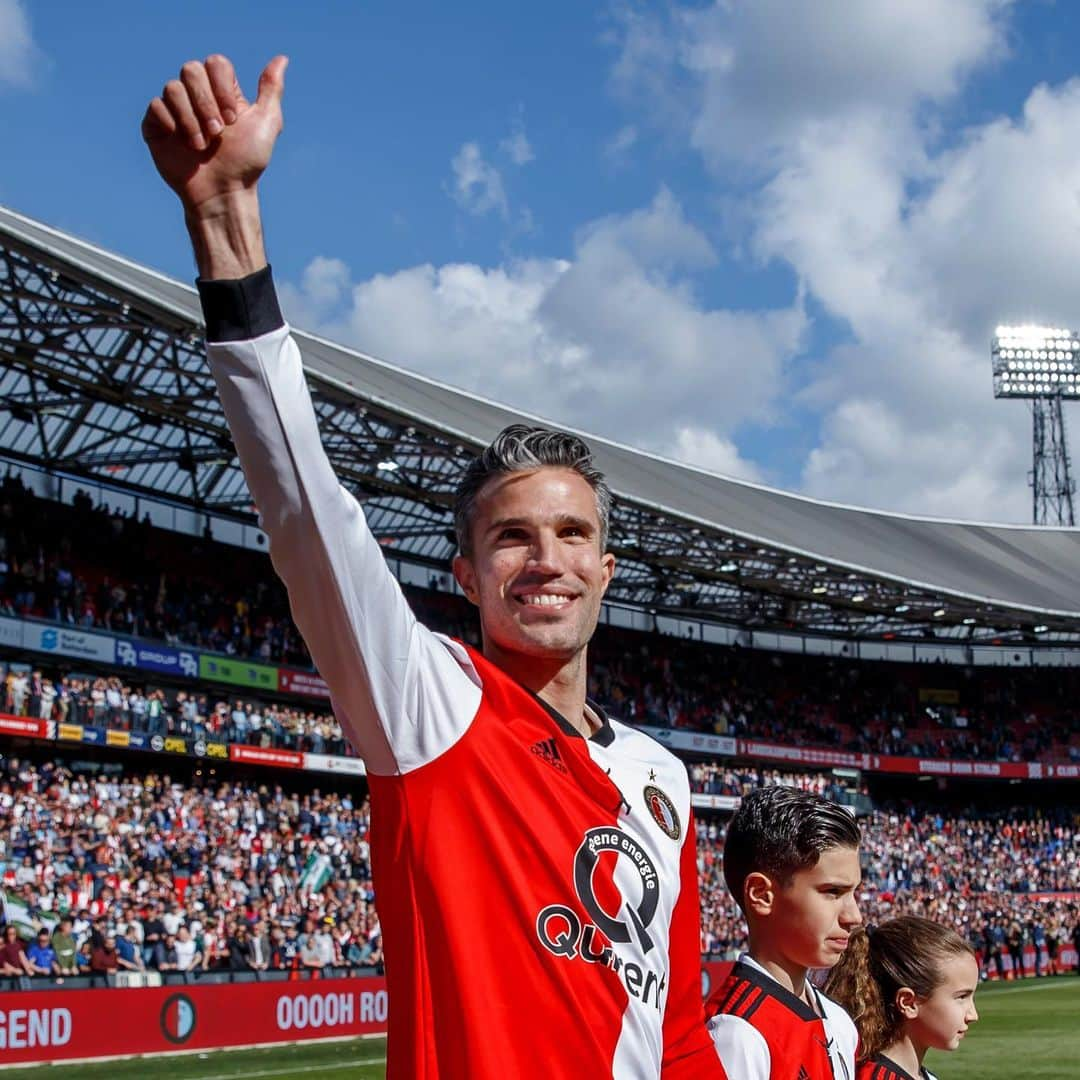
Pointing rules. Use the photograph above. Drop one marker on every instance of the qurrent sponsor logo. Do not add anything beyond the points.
(22, 1029)
(565, 933)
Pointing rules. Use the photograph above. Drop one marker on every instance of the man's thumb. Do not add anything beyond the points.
(272, 82)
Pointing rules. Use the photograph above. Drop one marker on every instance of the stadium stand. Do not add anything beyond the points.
(187, 877)
(1007, 876)
(238, 888)
(196, 862)
(215, 596)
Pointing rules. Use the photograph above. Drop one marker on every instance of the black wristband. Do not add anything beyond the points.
(240, 309)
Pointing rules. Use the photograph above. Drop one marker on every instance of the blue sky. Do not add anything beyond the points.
(768, 239)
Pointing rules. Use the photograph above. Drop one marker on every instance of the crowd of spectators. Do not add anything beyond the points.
(737, 778)
(948, 711)
(110, 702)
(991, 877)
(87, 565)
(146, 873)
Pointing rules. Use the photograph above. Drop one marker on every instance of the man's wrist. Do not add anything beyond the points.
(240, 309)
(226, 235)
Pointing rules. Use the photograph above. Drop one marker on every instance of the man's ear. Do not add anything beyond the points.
(607, 564)
(907, 1003)
(465, 576)
(759, 893)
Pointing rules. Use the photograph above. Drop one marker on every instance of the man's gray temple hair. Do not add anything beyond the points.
(520, 448)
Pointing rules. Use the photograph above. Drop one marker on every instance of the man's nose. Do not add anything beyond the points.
(544, 553)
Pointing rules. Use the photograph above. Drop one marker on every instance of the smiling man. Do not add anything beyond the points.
(534, 861)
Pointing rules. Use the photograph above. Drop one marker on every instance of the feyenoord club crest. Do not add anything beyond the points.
(663, 812)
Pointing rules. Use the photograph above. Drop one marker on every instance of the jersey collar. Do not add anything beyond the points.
(604, 735)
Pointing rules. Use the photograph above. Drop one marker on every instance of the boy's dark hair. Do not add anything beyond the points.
(781, 830)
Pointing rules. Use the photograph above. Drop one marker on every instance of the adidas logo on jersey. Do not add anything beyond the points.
(548, 750)
(803, 1074)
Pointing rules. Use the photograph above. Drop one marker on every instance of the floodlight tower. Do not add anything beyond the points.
(1042, 364)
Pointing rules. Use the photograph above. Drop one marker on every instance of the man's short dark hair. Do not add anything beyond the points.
(520, 448)
(781, 830)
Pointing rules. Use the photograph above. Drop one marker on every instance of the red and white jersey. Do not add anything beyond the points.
(762, 1030)
(537, 890)
(883, 1068)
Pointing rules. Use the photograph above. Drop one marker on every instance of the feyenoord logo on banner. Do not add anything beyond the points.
(663, 812)
(178, 1018)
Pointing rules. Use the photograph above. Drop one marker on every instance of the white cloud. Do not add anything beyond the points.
(518, 148)
(829, 116)
(478, 186)
(613, 340)
(771, 71)
(707, 450)
(992, 235)
(18, 53)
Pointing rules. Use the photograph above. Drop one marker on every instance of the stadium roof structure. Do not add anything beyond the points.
(104, 377)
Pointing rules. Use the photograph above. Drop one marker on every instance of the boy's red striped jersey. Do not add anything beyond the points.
(762, 1030)
(537, 890)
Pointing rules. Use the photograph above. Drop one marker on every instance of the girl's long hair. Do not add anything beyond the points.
(878, 962)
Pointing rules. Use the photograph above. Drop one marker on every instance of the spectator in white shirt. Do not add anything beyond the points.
(173, 919)
(187, 950)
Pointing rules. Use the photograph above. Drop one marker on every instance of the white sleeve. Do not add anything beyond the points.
(402, 694)
(742, 1048)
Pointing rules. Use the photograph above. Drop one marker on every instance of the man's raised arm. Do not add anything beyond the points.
(402, 695)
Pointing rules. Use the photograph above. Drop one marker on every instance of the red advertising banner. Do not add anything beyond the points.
(1056, 772)
(27, 726)
(261, 755)
(802, 755)
(51, 1025)
(892, 763)
(994, 770)
(302, 682)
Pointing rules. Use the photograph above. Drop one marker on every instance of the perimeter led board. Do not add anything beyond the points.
(1036, 361)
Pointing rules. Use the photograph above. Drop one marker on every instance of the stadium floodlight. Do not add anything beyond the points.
(1042, 364)
(1036, 361)
(388, 466)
